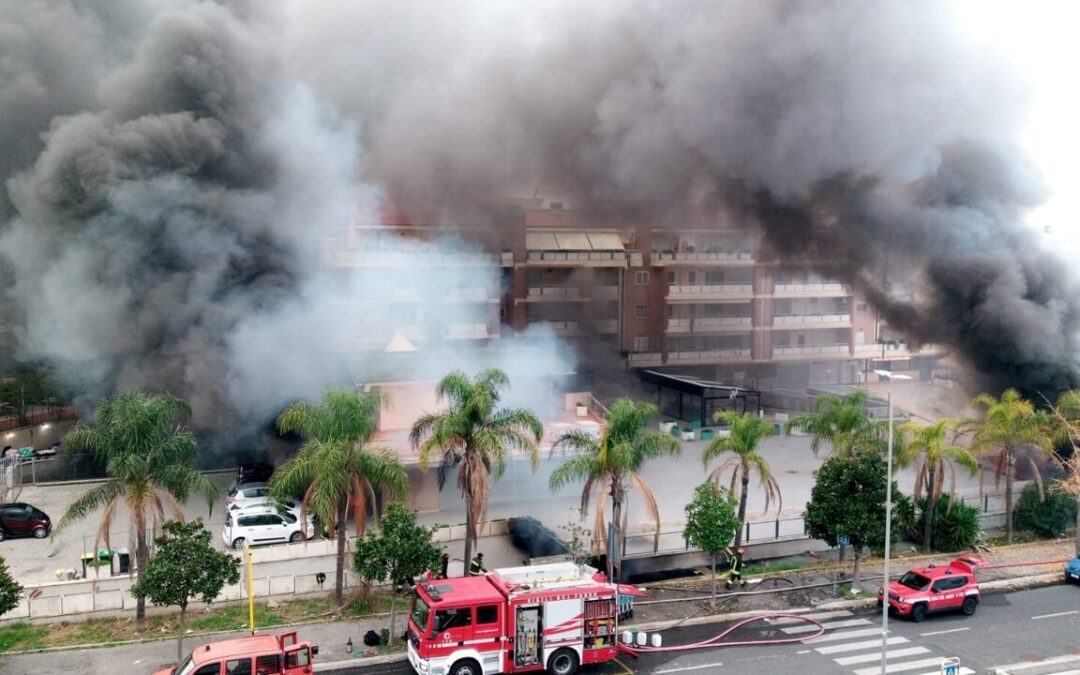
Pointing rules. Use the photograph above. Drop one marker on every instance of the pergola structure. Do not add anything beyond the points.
(708, 395)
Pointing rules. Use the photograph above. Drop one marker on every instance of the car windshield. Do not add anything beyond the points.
(419, 613)
(233, 490)
(914, 580)
(184, 668)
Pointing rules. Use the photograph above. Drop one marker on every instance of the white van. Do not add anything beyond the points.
(259, 525)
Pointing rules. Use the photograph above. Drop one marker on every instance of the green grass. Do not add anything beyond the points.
(21, 636)
(772, 568)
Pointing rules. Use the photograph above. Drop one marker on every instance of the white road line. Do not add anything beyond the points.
(804, 651)
(942, 632)
(810, 628)
(784, 621)
(876, 656)
(964, 670)
(856, 646)
(901, 667)
(1048, 616)
(842, 635)
(683, 670)
(1024, 665)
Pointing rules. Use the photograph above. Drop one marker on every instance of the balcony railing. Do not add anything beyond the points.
(467, 331)
(708, 354)
(645, 358)
(554, 293)
(809, 288)
(559, 327)
(710, 289)
(605, 293)
(805, 319)
(419, 260)
(679, 325)
(606, 325)
(712, 322)
(618, 257)
(811, 349)
(704, 257)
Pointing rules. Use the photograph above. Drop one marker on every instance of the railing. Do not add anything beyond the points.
(555, 292)
(645, 357)
(812, 349)
(36, 417)
(719, 321)
(679, 325)
(59, 467)
(577, 256)
(559, 327)
(697, 355)
(605, 292)
(710, 289)
(809, 288)
(606, 325)
(469, 294)
(411, 259)
(812, 318)
(724, 256)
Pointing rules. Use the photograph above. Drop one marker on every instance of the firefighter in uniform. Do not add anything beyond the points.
(477, 568)
(735, 575)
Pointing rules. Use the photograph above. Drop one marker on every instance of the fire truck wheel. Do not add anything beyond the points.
(918, 612)
(563, 662)
(970, 603)
(466, 667)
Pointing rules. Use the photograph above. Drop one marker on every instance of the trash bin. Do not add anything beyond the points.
(86, 557)
(124, 558)
(106, 557)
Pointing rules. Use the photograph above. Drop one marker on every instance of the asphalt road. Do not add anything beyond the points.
(1015, 628)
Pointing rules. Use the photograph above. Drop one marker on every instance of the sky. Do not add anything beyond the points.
(1038, 38)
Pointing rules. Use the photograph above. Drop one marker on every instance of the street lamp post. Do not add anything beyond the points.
(889, 375)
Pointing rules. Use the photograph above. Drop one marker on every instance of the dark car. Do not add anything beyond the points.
(23, 520)
(253, 473)
(1072, 571)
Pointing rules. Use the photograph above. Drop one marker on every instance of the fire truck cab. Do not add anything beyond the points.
(515, 620)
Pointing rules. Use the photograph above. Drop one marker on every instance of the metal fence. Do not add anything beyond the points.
(59, 467)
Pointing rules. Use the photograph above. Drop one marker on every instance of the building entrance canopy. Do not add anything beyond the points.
(705, 396)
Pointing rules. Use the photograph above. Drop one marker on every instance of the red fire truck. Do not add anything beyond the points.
(515, 620)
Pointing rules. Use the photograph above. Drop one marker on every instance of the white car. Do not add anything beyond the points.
(257, 494)
(258, 525)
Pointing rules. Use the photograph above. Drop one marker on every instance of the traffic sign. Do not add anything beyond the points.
(843, 540)
(950, 666)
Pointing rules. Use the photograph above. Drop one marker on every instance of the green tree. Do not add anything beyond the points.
(929, 446)
(401, 551)
(1067, 413)
(711, 522)
(849, 499)
(1007, 425)
(475, 435)
(10, 590)
(148, 457)
(746, 432)
(185, 567)
(334, 470)
(841, 422)
(611, 464)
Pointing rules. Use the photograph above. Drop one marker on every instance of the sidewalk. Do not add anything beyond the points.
(668, 603)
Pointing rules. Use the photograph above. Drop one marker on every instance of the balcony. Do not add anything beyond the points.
(810, 290)
(636, 259)
(718, 324)
(605, 326)
(468, 331)
(708, 259)
(706, 292)
(810, 350)
(812, 321)
(708, 355)
(577, 258)
(678, 326)
(560, 328)
(645, 359)
(507, 259)
(553, 294)
(605, 293)
(420, 260)
(468, 295)
(899, 351)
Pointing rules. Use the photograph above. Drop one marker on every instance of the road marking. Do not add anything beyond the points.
(803, 651)
(626, 668)
(964, 670)
(901, 667)
(1055, 661)
(856, 646)
(1048, 616)
(876, 656)
(828, 626)
(783, 621)
(683, 670)
(942, 632)
(842, 635)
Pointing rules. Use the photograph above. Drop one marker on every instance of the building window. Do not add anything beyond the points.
(691, 278)
(641, 278)
(641, 343)
(860, 307)
(641, 311)
(671, 277)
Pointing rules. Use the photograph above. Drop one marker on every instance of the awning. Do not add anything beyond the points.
(541, 241)
(573, 241)
(605, 241)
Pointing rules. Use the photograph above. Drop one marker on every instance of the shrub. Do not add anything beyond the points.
(1044, 517)
(955, 528)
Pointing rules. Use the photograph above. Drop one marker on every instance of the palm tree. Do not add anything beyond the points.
(148, 457)
(931, 444)
(843, 423)
(1007, 425)
(475, 435)
(746, 432)
(1067, 412)
(611, 463)
(333, 469)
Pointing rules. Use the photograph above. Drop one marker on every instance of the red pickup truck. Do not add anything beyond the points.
(935, 588)
(256, 655)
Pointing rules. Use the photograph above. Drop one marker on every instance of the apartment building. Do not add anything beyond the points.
(710, 301)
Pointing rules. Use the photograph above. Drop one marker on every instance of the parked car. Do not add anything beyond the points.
(23, 520)
(242, 496)
(935, 588)
(1072, 571)
(272, 655)
(253, 472)
(257, 525)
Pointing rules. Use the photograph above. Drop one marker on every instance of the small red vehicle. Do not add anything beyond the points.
(256, 655)
(935, 588)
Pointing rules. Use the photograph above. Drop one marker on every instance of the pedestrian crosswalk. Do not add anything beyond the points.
(855, 643)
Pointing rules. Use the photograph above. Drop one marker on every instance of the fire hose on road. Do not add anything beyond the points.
(715, 641)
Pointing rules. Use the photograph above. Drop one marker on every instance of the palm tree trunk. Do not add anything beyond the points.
(339, 574)
(714, 580)
(470, 533)
(856, 569)
(1010, 461)
(183, 630)
(742, 506)
(616, 517)
(928, 512)
(142, 557)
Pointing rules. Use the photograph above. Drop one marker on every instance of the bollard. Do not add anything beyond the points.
(628, 637)
(642, 639)
(656, 641)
